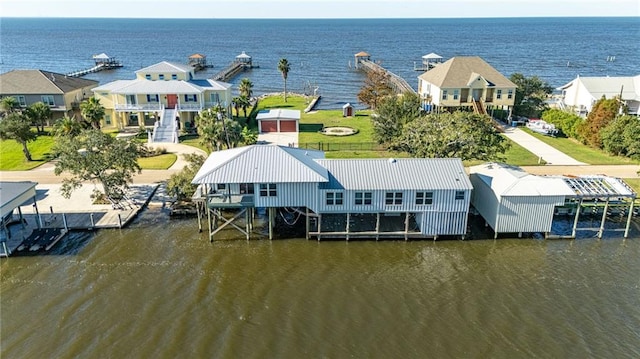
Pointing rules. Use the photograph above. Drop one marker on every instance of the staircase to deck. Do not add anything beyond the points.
(478, 107)
(165, 131)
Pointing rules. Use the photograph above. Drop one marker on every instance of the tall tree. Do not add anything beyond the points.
(460, 134)
(93, 112)
(236, 105)
(283, 67)
(602, 113)
(621, 137)
(97, 157)
(8, 105)
(246, 87)
(39, 114)
(217, 132)
(376, 86)
(15, 126)
(392, 114)
(565, 121)
(244, 103)
(531, 94)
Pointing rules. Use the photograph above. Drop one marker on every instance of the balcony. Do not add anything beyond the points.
(132, 107)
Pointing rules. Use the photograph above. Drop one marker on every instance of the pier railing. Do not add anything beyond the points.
(399, 84)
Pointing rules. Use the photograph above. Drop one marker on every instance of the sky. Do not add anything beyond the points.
(317, 8)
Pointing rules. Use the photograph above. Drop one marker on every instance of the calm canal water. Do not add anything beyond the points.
(159, 289)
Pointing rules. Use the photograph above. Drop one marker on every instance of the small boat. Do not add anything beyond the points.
(541, 126)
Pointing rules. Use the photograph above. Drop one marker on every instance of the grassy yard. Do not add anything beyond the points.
(634, 183)
(12, 158)
(160, 162)
(580, 152)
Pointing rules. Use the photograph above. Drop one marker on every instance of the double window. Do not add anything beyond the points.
(48, 100)
(153, 98)
(393, 198)
(424, 198)
(246, 188)
(363, 198)
(190, 98)
(268, 190)
(334, 198)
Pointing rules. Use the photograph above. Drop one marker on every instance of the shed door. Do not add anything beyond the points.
(269, 126)
(287, 126)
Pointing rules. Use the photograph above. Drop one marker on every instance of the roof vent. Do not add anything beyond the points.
(391, 160)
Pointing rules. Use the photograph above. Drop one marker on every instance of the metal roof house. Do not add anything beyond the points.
(582, 92)
(340, 198)
(514, 201)
(12, 196)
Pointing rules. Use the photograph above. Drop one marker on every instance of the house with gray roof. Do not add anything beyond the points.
(62, 93)
(581, 93)
(341, 198)
(465, 82)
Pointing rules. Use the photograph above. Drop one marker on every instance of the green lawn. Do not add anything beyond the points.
(160, 162)
(580, 152)
(634, 183)
(12, 158)
(520, 156)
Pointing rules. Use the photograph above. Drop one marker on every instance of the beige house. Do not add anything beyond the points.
(162, 95)
(465, 83)
(63, 94)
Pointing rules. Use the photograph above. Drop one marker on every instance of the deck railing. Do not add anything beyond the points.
(148, 107)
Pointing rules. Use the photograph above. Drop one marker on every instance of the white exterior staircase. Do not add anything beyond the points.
(165, 130)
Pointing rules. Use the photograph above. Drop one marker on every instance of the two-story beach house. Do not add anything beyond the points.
(581, 93)
(465, 83)
(165, 92)
(340, 198)
(62, 93)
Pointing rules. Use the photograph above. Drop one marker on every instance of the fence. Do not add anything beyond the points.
(342, 146)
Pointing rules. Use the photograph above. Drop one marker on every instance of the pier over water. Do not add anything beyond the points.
(399, 85)
(241, 63)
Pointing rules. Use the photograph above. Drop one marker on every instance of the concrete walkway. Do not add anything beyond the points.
(549, 154)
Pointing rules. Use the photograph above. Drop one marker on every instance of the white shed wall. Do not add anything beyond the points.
(527, 214)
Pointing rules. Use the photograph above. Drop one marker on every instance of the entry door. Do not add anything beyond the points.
(477, 94)
(172, 101)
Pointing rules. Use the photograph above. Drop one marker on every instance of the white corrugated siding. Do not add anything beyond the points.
(444, 223)
(527, 214)
(290, 195)
(484, 200)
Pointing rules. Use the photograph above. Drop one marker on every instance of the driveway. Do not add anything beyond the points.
(549, 154)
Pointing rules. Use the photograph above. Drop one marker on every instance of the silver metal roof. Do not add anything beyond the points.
(396, 174)
(507, 180)
(262, 164)
(278, 113)
(143, 86)
(165, 66)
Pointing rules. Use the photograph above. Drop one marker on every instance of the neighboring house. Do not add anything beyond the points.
(63, 94)
(165, 92)
(343, 198)
(278, 120)
(581, 94)
(465, 83)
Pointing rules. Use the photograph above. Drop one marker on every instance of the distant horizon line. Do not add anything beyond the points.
(321, 18)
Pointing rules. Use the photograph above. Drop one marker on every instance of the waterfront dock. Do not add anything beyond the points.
(241, 63)
(363, 62)
(43, 224)
(102, 62)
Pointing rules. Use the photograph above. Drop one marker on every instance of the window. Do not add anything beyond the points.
(107, 119)
(131, 99)
(174, 76)
(363, 198)
(221, 186)
(190, 98)
(456, 94)
(48, 100)
(152, 98)
(334, 198)
(246, 188)
(499, 94)
(424, 198)
(161, 76)
(393, 198)
(21, 101)
(459, 194)
(510, 94)
(147, 76)
(444, 94)
(215, 98)
(267, 190)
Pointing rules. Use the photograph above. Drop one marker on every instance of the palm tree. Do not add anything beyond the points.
(8, 105)
(283, 67)
(39, 113)
(67, 126)
(236, 105)
(243, 101)
(246, 87)
(92, 111)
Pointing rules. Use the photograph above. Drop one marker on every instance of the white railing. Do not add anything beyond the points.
(139, 107)
(189, 107)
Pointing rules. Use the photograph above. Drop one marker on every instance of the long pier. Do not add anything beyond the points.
(241, 63)
(398, 84)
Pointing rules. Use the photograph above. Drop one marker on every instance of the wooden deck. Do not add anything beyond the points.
(399, 84)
